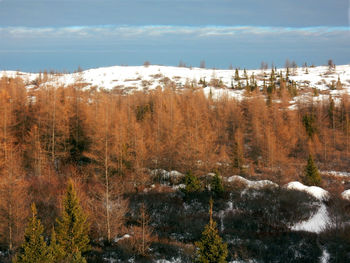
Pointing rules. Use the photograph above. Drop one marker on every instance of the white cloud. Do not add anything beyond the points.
(163, 30)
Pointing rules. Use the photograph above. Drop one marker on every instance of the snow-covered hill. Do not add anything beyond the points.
(126, 79)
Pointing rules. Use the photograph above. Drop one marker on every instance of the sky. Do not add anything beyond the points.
(63, 35)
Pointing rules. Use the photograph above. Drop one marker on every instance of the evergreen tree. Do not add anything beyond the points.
(309, 122)
(339, 85)
(34, 248)
(216, 185)
(245, 74)
(232, 85)
(72, 227)
(312, 175)
(272, 76)
(211, 248)
(247, 85)
(253, 83)
(55, 249)
(77, 257)
(292, 88)
(192, 183)
(333, 86)
(237, 78)
(272, 86)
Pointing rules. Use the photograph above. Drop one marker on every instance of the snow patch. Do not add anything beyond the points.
(346, 194)
(243, 261)
(251, 184)
(173, 260)
(222, 213)
(315, 191)
(316, 223)
(117, 239)
(336, 173)
(165, 175)
(325, 256)
(179, 186)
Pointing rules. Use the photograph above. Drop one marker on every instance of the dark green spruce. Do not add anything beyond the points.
(192, 183)
(217, 186)
(211, 248)
(311, 175)
(72, 227)
(34, 248)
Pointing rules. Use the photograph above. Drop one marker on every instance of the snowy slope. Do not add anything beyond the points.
(132, 78)
(315, 191)
(316, 223)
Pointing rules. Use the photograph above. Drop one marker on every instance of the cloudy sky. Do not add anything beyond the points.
(64, 34)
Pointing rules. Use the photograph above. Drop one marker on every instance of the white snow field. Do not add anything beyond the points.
(128, 79)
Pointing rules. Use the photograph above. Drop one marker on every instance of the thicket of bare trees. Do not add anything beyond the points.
(106, 142)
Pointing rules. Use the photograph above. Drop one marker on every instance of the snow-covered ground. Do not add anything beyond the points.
(316, 223)
(117, 239)
(174, 260)
(251, 184)
(315, 191)
(128, 79)
(336, 173)
(346, 194)
(325, 256)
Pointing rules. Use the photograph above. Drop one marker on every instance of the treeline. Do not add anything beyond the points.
(109, 142)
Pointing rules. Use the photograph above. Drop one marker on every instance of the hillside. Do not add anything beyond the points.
(321, 80)
(148, 147)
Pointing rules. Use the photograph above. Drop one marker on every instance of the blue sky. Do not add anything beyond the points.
(64, 34)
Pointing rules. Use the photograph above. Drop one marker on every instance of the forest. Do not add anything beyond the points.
(113, 148)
